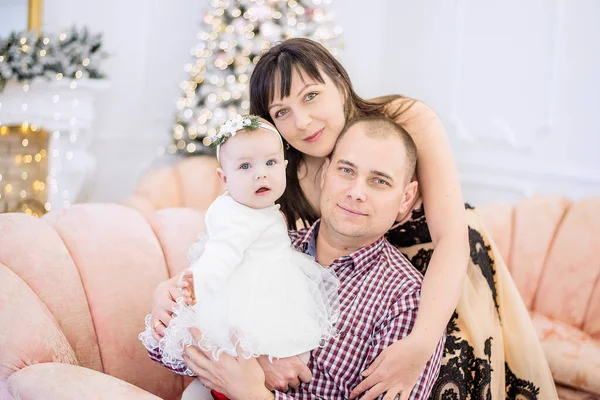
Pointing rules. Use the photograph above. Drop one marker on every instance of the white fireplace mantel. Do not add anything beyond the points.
(64, 108)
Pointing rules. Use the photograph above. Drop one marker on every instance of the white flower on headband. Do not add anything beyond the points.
(230, 128)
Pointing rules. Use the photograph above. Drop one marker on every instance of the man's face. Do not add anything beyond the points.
(364, 186)
(253, 168)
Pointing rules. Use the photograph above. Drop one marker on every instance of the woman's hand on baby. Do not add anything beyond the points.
(284, 373)
(163, 301)
(185, 283)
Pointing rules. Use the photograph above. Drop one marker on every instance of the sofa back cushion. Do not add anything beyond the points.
(76, 285)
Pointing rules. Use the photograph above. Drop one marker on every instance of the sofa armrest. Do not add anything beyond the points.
(50, 381)
(573, 355)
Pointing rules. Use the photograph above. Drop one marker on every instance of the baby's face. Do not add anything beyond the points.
(253, 167)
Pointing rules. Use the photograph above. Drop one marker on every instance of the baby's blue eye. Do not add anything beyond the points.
(271, 162)
(245, 166)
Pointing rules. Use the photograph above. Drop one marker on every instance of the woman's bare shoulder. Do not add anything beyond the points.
(406, 110)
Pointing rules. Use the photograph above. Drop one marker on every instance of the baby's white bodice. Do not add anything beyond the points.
(237, 234)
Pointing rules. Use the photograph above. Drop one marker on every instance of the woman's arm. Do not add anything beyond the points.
(442, 284)
(445, 213)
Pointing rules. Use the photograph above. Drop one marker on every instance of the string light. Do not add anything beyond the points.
(30, 193)
(22, 190)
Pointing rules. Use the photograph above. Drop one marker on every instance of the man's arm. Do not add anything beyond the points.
(180, 368)
(399, 323)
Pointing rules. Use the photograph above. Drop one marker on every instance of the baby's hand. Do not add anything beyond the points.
(186, 285)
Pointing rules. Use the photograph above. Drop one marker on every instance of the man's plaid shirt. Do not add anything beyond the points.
(379, 295)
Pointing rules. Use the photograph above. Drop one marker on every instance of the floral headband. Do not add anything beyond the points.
(232, 126)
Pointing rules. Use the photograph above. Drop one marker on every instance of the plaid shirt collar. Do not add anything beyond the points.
(359, 259)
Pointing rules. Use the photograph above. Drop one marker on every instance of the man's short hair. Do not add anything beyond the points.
(382, 127)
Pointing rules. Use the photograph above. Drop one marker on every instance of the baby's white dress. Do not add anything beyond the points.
(252, 289)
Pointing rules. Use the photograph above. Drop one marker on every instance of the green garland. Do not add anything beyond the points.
(74, 54)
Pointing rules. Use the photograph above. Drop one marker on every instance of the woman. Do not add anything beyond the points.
(492, 350)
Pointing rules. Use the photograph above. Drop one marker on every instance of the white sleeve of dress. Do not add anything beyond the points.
(233, 227)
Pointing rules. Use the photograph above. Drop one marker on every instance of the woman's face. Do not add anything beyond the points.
(312, 116)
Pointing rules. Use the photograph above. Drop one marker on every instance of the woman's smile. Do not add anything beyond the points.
(315, 136)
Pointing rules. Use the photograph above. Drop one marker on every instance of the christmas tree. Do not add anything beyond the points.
(234, 33)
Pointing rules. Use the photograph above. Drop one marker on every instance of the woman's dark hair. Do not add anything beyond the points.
(307, 57)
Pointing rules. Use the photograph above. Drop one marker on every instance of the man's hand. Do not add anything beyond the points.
(395, 371)
(237, 378)
(163, 300)
(284, 373)
(186, 284)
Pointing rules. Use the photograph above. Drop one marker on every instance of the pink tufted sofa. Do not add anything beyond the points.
(76, 284)
(178, 185)
(551, 247)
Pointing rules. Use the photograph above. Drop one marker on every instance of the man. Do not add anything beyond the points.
(366, 183)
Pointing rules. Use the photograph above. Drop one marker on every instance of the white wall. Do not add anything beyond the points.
(364, 50)
(148, 42)
(13, 16)
(515, 82)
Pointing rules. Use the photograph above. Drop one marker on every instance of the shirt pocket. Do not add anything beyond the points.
(342, 360)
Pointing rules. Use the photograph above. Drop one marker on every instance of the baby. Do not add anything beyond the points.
(252, 289)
